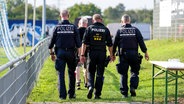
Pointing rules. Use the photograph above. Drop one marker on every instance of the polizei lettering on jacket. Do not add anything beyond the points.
(65, 29)
(127, 32)
(98, 30)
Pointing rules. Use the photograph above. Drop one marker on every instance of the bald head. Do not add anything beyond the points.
(125, 19)
(97, 18)
(64, 14)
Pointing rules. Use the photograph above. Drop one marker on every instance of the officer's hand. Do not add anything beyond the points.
(82, 59)
(53, 57)
(112, 58)
(146, 56)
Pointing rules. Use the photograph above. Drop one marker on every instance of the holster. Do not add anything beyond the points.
(55, 50)
(108, 58)
(118, 68)
(140, 57)
(121, 51)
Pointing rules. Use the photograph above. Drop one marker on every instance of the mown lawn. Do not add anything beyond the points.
(18, 51)
(4, 59)
(45, 89)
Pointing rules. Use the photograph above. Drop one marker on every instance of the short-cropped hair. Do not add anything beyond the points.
(64, 13)
(125, 17)
(97, 16)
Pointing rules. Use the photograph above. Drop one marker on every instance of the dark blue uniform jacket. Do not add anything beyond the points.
(65, 35)
(129, 38)
(97, 36)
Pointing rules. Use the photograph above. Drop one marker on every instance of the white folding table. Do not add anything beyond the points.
(169, 68)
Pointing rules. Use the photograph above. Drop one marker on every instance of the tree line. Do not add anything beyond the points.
(16, 8)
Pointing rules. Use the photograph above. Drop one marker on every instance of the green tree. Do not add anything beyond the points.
(111, 13)
(147, 15)
(144, 15)
(133, 15)
(83, 10)
(114, 14)
(51, 13)
(16, 10)
(13, 3)
(120, 8)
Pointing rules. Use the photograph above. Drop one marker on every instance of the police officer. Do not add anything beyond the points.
(97, 36)
(127, 39)
(65, 38)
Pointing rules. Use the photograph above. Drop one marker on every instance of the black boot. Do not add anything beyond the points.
(132, 91)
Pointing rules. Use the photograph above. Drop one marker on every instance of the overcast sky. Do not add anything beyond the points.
(103, 4)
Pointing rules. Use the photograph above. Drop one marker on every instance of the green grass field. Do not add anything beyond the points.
(19, 50)
(45, 89)
(4, 59)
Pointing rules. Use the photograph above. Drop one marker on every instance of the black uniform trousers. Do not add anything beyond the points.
(66, 57)
(96, 66)
(126, 59)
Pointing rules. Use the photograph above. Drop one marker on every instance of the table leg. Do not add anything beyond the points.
(176, 88)
(153, 72)
(166, 85)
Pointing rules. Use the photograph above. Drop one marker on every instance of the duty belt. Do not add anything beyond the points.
(122, 50)
(67, 49)
(97, 49)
